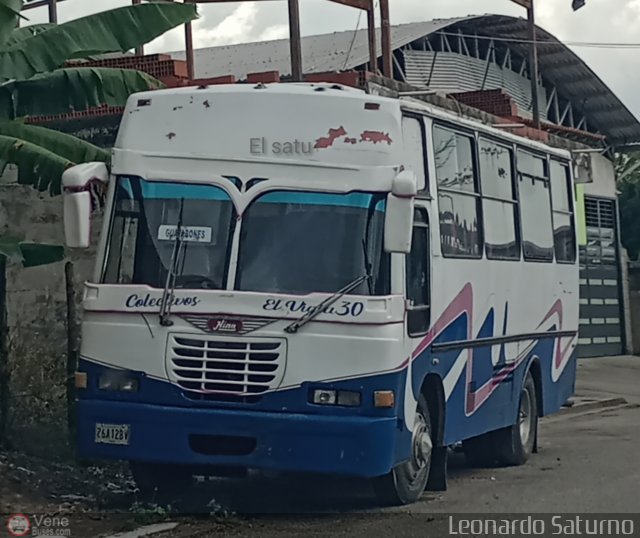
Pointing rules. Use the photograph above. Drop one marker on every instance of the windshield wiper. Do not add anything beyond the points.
(313, 313)
(367, 265)
(170, 285)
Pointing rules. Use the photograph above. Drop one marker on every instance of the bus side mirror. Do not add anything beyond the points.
(78, 183)
(398, 223)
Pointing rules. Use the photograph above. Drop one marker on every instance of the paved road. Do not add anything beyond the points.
(588, 463)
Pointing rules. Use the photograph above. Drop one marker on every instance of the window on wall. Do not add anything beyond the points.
(418, 292)
(458, 195)
(535, 207)
(414, 143)
(563, 224)
(499, 204)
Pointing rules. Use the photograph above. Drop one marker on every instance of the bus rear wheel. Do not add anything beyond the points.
(406, 482)
(512, 445)
(160, 484)
(515, 444)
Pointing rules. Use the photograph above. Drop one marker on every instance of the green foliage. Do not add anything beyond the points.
(9, 16)
(25, 32)
(37, 166)
(42, 155)
(69, 147)
(29, 254)
(34, 254)
(148, 514)
(73, 88)
(35, 83)
(116, 30)
(628, 172)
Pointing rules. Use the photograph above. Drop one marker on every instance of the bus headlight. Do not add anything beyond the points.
(349, 398)
(117, 383)
(129, 385)
(346, 398)
(324, 397)
(107, 382)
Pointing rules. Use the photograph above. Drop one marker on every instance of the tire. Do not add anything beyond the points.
(515, 444)
(161, 484)
(406, 482)
(508, 446)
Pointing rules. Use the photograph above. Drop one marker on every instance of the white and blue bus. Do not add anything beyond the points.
(310, 278)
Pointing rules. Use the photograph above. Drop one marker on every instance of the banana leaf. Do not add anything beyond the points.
(34, 254)
(9, 16)
(73, 88)
(10, 249)
(25, 32)
(117, 30)
(37, 166)
(64, 145)
(29, 254)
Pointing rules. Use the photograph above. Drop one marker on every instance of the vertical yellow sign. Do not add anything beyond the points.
(581, 219)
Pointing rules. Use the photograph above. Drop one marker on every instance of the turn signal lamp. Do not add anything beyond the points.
(384, 399)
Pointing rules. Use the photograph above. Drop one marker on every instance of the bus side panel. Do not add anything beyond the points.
(479, 406)
(556, 393)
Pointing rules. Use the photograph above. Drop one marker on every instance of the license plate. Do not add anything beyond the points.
(112, 434)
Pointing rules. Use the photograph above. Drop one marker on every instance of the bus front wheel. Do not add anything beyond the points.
(406, 482)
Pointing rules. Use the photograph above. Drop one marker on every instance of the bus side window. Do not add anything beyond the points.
(563, 227)
(418, 277)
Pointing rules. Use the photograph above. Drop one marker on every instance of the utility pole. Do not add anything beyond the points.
(385, 29)
(295, 41)
(531, 17)
(533, 52)
(139, 50)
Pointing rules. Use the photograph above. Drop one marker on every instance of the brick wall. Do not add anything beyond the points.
(495, 102)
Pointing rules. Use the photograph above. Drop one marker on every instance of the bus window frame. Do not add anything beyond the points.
(572, 209)
(545, 156)
(424, 193)
(477, 194)
(426, 228)
(515, 202)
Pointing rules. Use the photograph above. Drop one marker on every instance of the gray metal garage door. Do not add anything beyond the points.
(601, 322)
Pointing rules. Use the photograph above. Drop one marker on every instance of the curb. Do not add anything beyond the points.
(148, 530)
(590, 406)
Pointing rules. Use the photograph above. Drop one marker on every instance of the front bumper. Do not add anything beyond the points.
(348, 445)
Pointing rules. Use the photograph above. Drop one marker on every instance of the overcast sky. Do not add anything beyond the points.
(600, 21)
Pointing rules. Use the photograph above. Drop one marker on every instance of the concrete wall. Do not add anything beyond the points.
(36, 305)
(604, 178)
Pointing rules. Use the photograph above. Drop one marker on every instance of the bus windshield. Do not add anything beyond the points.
(143, 233)
(293, 242)
(289, 242)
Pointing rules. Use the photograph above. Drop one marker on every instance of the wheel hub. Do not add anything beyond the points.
(525, 418)
(422, 447)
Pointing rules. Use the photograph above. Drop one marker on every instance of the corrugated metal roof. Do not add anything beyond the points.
(572, 77)
(559, 66)
(326, 52)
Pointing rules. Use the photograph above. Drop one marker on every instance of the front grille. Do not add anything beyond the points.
(223, 369)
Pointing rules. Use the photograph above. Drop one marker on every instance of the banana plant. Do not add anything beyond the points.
(35, 81)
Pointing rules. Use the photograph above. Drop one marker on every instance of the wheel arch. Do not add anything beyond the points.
(536, 372)
(433, 391)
